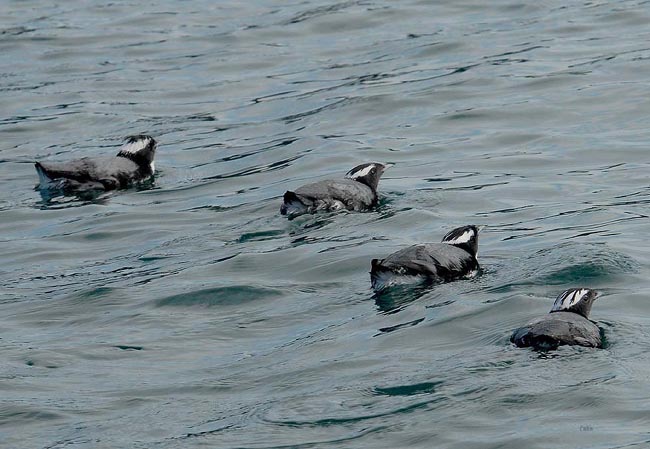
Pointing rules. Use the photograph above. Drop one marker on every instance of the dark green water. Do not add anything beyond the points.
(192, 314)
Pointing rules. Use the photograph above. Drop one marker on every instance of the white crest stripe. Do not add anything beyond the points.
(463, 238)
(134, 147)
(569, 299)
(363, 172)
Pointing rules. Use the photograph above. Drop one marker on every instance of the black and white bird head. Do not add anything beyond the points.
(367, 174)
(576, 300)
(141, 149)
(465, 237)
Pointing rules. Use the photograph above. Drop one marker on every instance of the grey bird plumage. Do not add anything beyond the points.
(454, 258)
(133, 163)
(356, 192)
(566, 324)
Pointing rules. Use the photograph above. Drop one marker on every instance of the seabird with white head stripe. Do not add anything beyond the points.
(566, 324)
(454, 258)
(356, 192)
(133, 163)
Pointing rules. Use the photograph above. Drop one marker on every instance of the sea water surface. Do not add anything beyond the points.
(189, 313)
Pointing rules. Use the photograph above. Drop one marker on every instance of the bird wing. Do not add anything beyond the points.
(81, 170)
(563, 327)
(436, 260)
(349, 192)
